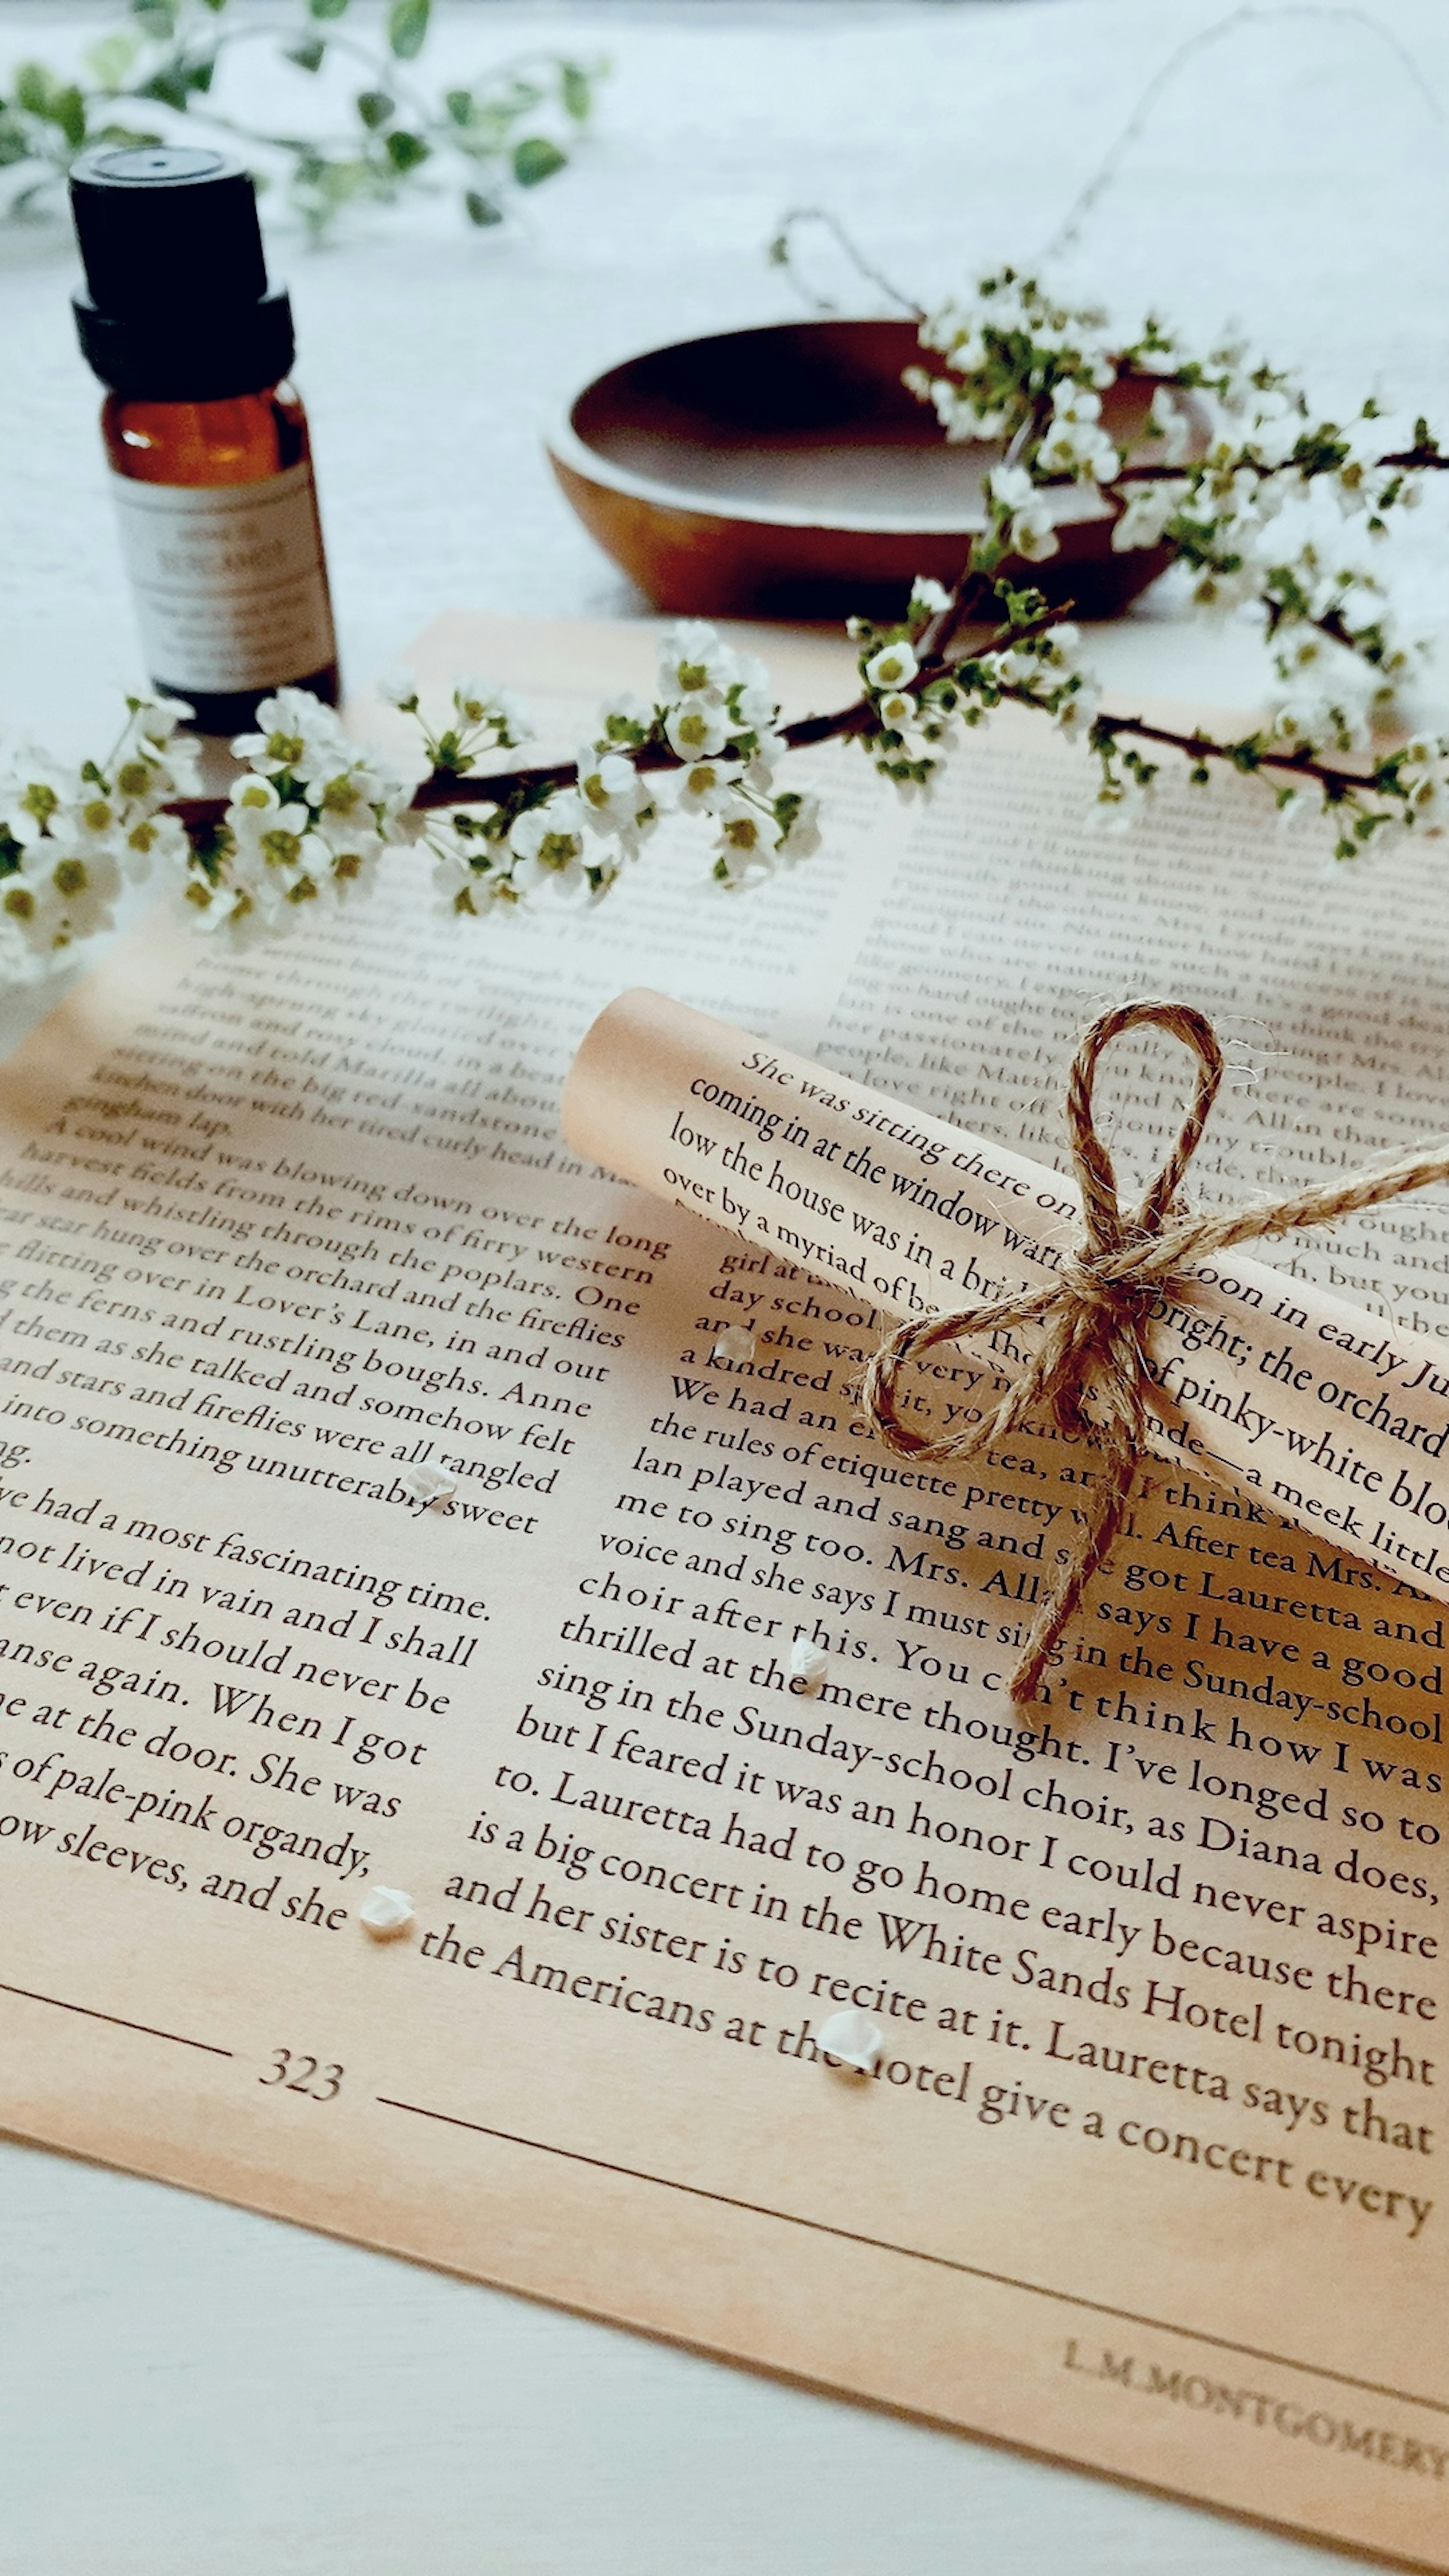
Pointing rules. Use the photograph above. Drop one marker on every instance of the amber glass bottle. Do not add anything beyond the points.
(207, 442)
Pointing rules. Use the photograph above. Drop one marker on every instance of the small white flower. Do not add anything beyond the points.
(626, 720)
(351, 856)
(697, 728)
(1077, 714)
(271, 835)
(92, 819)
(609, 788)
(156, 840)
(549, 842)
(157, 716)
(1171, 424)
(471, 698)
(559, 822)
(893, 667)
(32, 792)
(708, 787)
(1080, 449)
(1146, 509)
(399, 688)
(255, 795)
(1117, 809)
(1010, 486)
(1073, 401)
(755, 697)
(748, 840)
(852, 2038)
(324, 762)
(292, 727)
(460, 887)
(86, 881)
(802, 831)
(1031, 532)
(928, 596)
(898, 709)
(694, 661)
(760, 768)
(1426, 804)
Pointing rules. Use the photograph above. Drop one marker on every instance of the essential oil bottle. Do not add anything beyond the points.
(211, 467)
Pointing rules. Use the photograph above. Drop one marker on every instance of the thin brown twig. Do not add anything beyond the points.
(447, 788)
(1338, 782)
(1422, 460)
(499, 786)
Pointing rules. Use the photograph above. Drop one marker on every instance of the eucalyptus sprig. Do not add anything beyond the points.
(312, 813)
(509, 128)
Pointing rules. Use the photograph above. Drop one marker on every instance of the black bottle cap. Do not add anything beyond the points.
(178, 308)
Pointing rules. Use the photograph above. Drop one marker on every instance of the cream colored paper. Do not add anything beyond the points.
(277, 1231)
(1339, 1424)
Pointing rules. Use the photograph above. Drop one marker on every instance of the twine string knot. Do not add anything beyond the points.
(1090, 1371)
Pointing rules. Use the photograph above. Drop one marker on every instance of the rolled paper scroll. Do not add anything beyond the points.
(1330, 1417)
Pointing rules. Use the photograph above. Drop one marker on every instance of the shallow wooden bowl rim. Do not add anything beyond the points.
(568, 449)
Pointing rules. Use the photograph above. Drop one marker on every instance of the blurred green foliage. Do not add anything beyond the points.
(512, 127)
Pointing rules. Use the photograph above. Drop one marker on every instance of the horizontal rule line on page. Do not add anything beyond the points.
(914, 2254)
(91, 2014)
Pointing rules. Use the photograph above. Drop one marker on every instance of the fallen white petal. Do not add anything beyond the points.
(386, 1910)
(737, 1343)
(430, 1484)
(808, 1662)
(852, 2037)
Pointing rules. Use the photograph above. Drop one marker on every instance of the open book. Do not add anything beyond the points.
(1145, 2175)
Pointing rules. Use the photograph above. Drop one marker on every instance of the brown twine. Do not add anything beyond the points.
(1092, 1353)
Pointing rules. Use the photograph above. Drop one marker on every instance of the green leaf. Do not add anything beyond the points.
(156, 17)
(536, 159)
(39, 93)
(407, 27)
(133, 138)
(576, 90)
(374, 107)
(327, 8)
(69, 113)
(481, 209)
(407, 151)
(174, 82)
(459, 104)
(169, 86)
(308, 54)
(33, 85)
(109, 61)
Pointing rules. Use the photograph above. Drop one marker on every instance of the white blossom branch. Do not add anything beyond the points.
(312, 812)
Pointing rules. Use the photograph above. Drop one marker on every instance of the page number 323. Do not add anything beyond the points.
(306, 2075)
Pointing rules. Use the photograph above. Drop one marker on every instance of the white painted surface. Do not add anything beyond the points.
(185, 2387)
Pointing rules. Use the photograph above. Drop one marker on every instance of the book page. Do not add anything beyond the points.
(1145, 2173)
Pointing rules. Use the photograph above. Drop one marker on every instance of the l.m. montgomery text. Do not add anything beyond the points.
(1268, 2414)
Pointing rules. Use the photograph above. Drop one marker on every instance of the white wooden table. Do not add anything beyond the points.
(185, 2386)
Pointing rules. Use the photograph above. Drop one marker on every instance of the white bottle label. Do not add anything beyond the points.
(229, 580)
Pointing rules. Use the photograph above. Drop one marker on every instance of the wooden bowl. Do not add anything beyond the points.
(787, 472)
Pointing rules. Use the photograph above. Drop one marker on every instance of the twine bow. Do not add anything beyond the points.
(1090, 1371)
